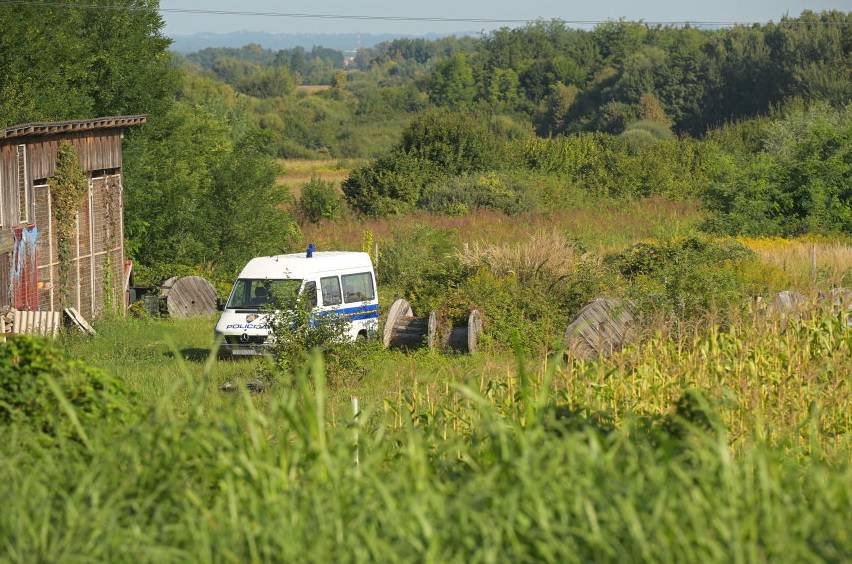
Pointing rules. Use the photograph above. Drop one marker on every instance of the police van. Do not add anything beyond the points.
(341, 282)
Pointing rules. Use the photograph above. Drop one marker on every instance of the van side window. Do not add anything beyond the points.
(357, 287)
(330, 291)
(310, 293)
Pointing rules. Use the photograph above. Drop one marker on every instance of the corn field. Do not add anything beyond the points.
(540, 461)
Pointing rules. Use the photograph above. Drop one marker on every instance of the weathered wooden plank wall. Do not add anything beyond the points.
(99, 238)
(96, 150)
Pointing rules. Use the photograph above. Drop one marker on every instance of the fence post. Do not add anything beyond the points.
(813, 265)
(356, 412)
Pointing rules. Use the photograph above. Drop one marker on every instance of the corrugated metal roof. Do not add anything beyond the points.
(54, 127)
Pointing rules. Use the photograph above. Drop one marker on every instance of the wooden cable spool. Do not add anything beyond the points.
(601, 327)
(188, 296)
(465, 338)
(405, 331)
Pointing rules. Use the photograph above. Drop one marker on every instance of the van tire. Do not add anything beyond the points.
(362, 335)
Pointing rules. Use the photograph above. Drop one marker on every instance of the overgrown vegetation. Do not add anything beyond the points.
(796, 181)
(575, 463)
(320, 200)
(628, 110)
(522, 173)
(68, 186)
(55, 396)
(799, 182)
(297, 332)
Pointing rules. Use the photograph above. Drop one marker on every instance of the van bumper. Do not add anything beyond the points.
(227, 350)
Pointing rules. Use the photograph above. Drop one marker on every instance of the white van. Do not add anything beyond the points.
(342, 282)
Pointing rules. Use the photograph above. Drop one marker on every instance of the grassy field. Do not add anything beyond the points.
(452, 458)
(727, 439)
(299, 171)
(770, 391)
(599, 226)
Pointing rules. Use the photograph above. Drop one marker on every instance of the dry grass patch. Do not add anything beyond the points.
(300, 171)
(795, 259)
(544, 255)
(600, 227)
(312, 88)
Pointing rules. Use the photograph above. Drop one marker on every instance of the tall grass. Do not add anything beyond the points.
(543, 254)
(599, 226)
(555, 463)
(802, 262)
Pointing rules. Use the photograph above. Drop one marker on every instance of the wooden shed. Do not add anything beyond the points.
(29, 264)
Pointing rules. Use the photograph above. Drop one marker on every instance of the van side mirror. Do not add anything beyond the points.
(220, 304)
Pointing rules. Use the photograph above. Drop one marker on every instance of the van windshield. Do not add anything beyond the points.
(249, 293)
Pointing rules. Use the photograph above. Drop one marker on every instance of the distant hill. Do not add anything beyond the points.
(341, 41)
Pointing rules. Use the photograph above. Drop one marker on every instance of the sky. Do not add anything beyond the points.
(648, 10)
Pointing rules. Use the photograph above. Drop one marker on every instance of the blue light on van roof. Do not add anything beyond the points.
(310, 251)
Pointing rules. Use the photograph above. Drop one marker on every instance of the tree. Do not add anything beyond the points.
(502, 88)
(556, 114)
(61, 62)
(455, 142)
(320, 200)
(242, 210)
(802, 182)
(168, 172)
(197, 198)
(650, 109)
(451, 83)
(268, 82)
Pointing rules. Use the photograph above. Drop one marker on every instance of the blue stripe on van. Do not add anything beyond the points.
(356, 313)
(367, 315)
(358, 309)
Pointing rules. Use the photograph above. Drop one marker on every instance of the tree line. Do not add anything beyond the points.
(454, 123)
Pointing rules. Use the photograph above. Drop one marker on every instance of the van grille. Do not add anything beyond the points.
(249, 340)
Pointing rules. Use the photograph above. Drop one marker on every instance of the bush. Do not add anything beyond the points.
(686, 278)
(391, 185)
(455, 142)
(421, 266)
(529, 291)
(801, 182)
(633, 165)
(320, 200)
(297, 331)
(29, 369)
(462, 194)
(638, 139)
(644, 133)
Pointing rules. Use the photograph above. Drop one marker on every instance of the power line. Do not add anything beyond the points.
(317, 16)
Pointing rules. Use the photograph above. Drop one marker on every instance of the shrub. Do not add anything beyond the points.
(320, 200)
(297, 331)
(643, 133)
(462, 194)
(517, 316)
(33, 374)
(454, 142)
(528, 291)
(625, 166)
(638, 139)
(685, 278)
(420, 265)
(391, 185)
(802, 182)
